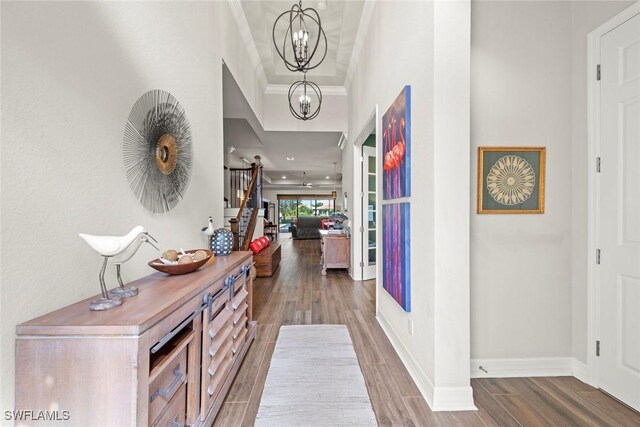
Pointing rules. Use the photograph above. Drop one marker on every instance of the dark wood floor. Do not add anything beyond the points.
(299, 294)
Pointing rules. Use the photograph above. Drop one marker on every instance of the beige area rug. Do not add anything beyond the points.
(315, 380)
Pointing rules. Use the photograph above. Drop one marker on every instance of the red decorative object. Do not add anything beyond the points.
(394, 157)
(255, 246)
(259, 244)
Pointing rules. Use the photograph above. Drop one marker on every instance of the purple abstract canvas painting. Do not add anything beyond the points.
(396, 147)
(396, 253)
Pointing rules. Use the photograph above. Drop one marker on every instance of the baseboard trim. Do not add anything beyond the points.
(453, 399)
(530, 367)
(580, 371)
(419, 376)
(438, 398)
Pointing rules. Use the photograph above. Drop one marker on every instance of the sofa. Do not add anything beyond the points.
(307, 227)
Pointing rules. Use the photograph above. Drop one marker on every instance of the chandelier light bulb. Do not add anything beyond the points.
(305, 105)
(301, 46)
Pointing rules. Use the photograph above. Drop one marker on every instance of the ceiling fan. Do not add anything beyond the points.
(305, 184)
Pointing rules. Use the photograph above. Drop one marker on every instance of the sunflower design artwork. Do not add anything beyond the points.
(511, 180)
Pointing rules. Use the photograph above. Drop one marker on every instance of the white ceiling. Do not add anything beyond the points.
(313, 152)
(340, 21)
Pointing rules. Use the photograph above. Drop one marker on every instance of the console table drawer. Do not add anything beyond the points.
(175, 413)
(168, 375)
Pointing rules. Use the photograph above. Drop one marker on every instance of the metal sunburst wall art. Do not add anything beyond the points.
(158, 151)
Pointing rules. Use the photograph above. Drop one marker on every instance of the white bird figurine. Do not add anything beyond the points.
(126, 255)
(121, 249)
(208, 230)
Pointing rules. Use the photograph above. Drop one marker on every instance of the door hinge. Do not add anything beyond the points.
(361, 159)
(598, 72)
(598, 164)
(598, 348)
(361, 264)
(361, 229)
(598, 256)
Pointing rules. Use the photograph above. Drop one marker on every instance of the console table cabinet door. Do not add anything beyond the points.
(217, 341)
(39, 377)
(335, 252)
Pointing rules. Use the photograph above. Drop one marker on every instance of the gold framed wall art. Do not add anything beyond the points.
(511, 180)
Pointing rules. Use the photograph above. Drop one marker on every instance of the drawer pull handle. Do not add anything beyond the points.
(231, 280)
(211, 299)
(175, 423)
(206, 304)
(179, 377)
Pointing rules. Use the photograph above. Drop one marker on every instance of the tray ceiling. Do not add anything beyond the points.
(340, 21)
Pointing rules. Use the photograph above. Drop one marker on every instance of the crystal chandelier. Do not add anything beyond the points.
(306, 109)
(300, 45)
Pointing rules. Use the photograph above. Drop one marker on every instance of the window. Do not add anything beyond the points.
(291, 207)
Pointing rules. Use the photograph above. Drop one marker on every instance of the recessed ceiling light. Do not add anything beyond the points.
(284, 177)
(326, 177)
(290, 158)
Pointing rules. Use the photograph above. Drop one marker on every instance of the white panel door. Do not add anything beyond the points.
(619, 272)
(369, 213)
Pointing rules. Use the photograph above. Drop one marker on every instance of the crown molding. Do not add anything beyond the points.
(272, 89)
(245, 32)
(363, 27)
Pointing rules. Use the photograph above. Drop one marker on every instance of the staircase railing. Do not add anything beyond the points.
(244, 224)
(239, 179)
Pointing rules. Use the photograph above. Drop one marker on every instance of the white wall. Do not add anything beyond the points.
(401, 66)
(332, 117)
(70, 75)
(529, 88)
(433, 58)
(521, 96)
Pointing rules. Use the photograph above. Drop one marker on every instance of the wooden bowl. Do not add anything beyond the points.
(181, 268)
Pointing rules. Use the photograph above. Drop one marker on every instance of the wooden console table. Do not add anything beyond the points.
(165, 357)
(335, 250)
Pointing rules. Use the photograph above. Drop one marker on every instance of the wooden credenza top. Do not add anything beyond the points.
(159, 294)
